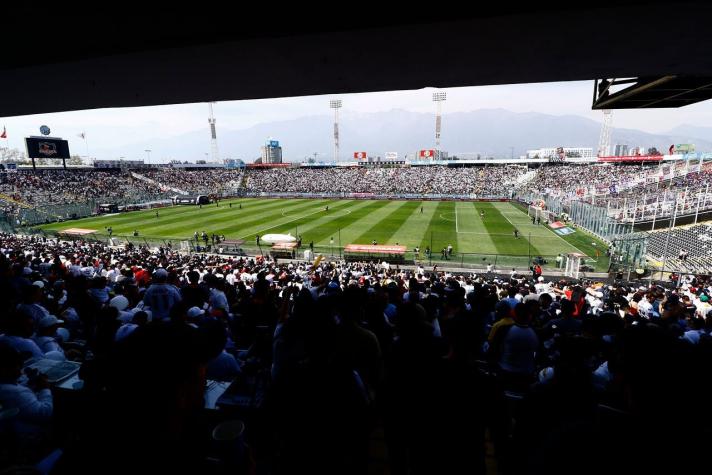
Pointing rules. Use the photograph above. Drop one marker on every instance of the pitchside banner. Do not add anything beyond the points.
(41, 147)
(564, 231)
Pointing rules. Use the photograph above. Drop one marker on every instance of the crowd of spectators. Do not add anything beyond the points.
(220, 181)
(578, 180)
(629, 192)
(48, 187)
(689, 193)
(495, 181)
(594, 376)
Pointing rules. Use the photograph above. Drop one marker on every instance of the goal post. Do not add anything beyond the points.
(539, 211)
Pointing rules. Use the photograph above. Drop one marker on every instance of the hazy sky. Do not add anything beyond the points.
(132, 125)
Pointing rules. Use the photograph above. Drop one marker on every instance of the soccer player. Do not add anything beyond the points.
(516, 233)
(156, 214)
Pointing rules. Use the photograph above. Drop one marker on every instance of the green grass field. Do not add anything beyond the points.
(475, 240)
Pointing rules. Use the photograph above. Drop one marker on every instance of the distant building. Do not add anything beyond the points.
(119, 164)
(271, 152)
(621, 150)
(233, 163)
(553, 152)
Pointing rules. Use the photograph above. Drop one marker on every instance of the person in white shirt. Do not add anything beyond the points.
(139, 319)
(645, 308)
(121, 303)
(32, 305)
(18, 336)
(693, 334)
(541, 286)
(46, 335)
(113, 274)
(217, 296)
(34, 403)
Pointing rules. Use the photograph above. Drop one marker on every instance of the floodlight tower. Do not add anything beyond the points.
(438, 98)
(604, 141)
(213, 134)
(336, 105)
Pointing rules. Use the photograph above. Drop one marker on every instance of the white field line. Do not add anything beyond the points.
(260, 231)
(545, 226)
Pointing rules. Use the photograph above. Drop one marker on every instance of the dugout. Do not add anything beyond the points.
(191, 200)
(284, 250)
(108, 208)
(232, 247)
(373, 253)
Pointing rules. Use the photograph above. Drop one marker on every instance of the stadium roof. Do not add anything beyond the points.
(659, 92)
(54, 59)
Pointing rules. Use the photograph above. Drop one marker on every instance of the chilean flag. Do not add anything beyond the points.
(4, 133)
(671, 150)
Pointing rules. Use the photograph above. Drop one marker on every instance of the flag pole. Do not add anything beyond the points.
(7, 139)
(86, 144)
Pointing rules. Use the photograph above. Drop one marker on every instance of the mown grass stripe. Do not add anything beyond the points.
(351, 226)
(384, 229)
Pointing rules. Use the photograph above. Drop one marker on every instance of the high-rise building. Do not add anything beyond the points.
(621, 150)
(271, 152)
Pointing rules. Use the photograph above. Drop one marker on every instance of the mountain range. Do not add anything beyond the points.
(488, 132)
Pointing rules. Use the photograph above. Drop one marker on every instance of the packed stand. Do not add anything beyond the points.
(688, 193)
(50, 187)
(206, 181)
(481, 181)
(568, 181)
(630, 193)
(554, 374)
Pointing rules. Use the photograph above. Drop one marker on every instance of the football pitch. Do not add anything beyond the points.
(434, 224)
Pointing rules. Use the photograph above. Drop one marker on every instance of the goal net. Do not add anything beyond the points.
(539, 212)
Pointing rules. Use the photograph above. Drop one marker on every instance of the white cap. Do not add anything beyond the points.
(48, 321)
(119, 302)
(55, 356)
(38, 283)
(195, 312)
(26, 271)
(540, 279)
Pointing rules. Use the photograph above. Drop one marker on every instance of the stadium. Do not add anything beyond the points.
(440, 309)
(404, 205)
(481, 232)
